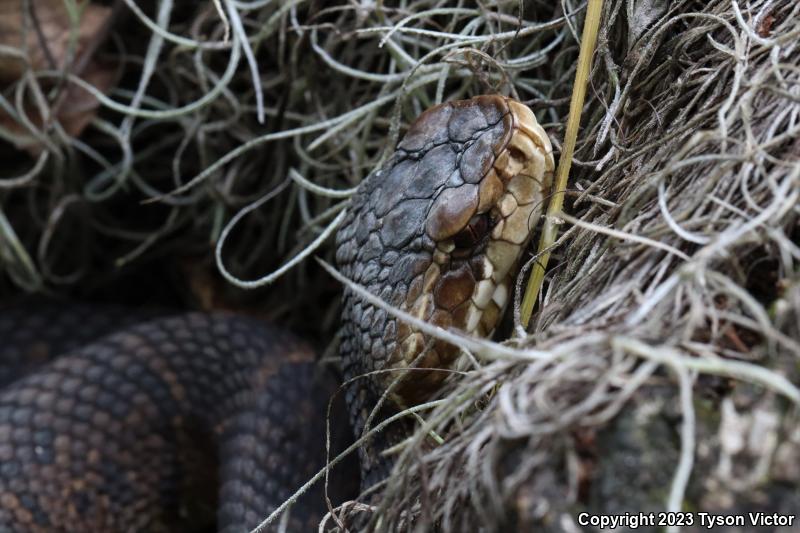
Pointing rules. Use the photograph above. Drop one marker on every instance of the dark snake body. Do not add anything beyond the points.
(111, 422)
(157, 427)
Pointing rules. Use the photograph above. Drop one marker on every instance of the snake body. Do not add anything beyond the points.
(158, 426)
(109, 429)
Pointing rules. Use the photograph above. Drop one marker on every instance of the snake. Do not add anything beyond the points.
(121, 420)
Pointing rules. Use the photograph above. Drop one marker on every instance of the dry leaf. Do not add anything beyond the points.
(46, 46)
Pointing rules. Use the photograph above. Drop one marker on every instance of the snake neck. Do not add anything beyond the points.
(366, 399)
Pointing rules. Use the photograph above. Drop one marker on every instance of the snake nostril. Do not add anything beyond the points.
(516, 153)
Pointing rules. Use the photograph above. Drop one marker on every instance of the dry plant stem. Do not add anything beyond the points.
(551, 221)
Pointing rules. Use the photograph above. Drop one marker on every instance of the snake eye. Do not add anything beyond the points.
(474, 232)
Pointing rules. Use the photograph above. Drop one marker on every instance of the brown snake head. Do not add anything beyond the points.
(438, 231)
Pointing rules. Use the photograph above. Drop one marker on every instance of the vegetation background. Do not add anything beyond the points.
(147, 146)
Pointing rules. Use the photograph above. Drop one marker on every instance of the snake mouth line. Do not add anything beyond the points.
(526, 168)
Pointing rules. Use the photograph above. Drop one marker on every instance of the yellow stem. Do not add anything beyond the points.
(551, 222)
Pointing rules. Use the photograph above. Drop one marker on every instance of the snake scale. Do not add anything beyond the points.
(115, 421)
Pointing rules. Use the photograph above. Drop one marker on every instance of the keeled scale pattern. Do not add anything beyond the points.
(123, 434)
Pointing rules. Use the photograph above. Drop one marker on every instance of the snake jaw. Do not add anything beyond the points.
(479, 171)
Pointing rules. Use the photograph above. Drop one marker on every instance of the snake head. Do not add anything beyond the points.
(438, 231)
